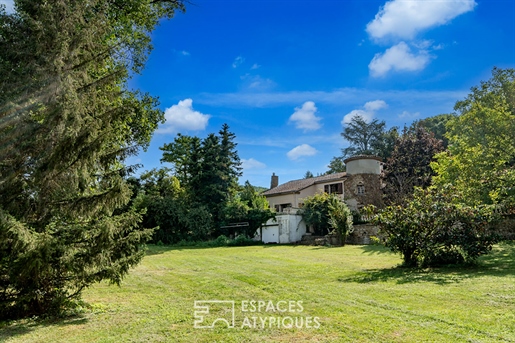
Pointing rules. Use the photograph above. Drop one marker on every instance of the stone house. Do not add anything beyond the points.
(358, 186)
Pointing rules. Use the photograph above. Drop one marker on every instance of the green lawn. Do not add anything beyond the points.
(356, 292)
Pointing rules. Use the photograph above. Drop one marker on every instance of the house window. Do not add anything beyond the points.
(282, 207)
(336, 188)
(360, 189)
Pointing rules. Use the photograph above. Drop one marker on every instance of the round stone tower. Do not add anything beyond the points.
(363, 164)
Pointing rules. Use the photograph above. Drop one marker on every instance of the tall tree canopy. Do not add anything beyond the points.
(437, 125)
(362, 136)
(368, 138)
(208, 169)
(336, 165)
(67, 123)
(480, 161)
(409, 164)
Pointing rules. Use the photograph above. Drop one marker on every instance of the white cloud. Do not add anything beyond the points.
(399, 58)
(259, 83)
(402, 19)
(256, 82)
(367, 113)
(375, 105)
(183, 117)
(255, 66)
(9, 5)
(423, 44)
(252, 164)
(304, 117)
(438, 47)
(185, 53)
(301, 151)
(443, 100)
(367, 116)
(238, 61)
(409, 115)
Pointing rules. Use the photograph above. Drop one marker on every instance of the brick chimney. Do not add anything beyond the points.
(275, 181)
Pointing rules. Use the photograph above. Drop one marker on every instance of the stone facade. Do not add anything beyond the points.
(361, 190)
(362, 233)
(359, 186)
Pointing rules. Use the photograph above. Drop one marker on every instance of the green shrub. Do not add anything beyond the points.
(375, 240)
(433, 229)
(327, 212)
(340, 218)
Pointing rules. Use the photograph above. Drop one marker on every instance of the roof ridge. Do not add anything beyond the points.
(300, 184)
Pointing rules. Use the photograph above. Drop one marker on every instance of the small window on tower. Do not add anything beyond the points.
(360, 189)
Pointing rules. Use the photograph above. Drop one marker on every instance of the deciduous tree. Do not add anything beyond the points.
(409, 165)
(480, 161)
(437, 125)
(336, 165)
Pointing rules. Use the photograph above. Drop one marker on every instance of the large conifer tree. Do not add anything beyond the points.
(67, 123)
(208, 169)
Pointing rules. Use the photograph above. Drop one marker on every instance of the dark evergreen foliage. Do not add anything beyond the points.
(67, 123)
(208, 169)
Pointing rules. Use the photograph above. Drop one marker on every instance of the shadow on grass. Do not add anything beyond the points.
(153, 249)
(373, 249)
(161, 249)
(25, 326)
(500, 262)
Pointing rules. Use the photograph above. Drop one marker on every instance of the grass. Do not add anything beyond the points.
(357, 292)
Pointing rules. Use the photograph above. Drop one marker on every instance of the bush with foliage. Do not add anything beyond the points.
(247, 206)
(326, 212)
(340, 218)
(316, 213)
(433, 229)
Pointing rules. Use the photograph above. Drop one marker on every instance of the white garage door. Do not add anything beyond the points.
(271, 234)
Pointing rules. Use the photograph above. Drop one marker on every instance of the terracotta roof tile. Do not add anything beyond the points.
(298, 185)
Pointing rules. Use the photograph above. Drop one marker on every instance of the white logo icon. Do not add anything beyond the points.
(208, 312)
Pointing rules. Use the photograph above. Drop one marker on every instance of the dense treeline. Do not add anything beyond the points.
(447, 176)
(199, 198)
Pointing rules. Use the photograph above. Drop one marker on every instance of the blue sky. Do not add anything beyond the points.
(285, 74)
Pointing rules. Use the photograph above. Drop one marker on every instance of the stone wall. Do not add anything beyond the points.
(362, 233)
